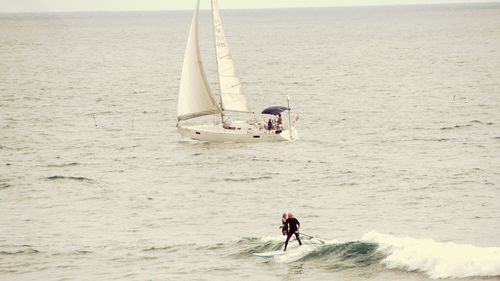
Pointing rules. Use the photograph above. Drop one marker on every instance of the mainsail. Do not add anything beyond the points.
(195, 97)
(232, 98)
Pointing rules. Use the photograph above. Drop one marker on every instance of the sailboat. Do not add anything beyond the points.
(196, 98)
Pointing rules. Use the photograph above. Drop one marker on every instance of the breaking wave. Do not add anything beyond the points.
(438, 260)
(435, 259)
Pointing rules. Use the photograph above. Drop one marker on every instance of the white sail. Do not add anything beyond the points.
(195, 97)
(232, 98)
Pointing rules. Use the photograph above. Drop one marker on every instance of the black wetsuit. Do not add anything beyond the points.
(293, 226)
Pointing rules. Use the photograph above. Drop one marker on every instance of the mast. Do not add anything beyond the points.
(289, 116)
(217, 63)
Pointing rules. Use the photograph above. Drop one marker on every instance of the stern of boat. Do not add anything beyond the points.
(289, 134)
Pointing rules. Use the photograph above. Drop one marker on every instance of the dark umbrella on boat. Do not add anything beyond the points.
(275, 110)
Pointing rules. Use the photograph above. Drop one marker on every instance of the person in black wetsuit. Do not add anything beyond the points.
(293, 228)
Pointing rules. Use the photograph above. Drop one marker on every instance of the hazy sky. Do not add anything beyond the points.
(122, 5)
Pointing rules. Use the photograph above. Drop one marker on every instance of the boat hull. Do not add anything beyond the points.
(239, 133)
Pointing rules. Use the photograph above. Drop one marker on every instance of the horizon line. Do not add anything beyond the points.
(492, 2)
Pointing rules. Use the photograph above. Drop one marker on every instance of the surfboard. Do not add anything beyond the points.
(268, 255)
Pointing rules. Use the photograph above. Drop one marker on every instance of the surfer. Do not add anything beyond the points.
(293, 228)
(284, 227)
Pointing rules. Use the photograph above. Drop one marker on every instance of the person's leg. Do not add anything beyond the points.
(298, 238)
(287, 239)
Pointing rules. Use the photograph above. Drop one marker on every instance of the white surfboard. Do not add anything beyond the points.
(268, 255)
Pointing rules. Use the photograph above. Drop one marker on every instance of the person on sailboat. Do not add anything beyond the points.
(279, 120)
(270, 124)
(284, 226)
(293, 228)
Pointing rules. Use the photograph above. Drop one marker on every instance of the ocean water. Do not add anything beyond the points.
(397, 167)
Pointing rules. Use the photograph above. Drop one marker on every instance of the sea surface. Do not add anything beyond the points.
(397, 167)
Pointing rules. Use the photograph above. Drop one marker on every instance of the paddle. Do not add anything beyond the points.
(312, 237)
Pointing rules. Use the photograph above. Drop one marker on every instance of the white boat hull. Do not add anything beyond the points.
(239, 133)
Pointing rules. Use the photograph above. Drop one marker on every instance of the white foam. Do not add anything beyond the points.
(272, 238)
(295, 253)
(438, 260)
